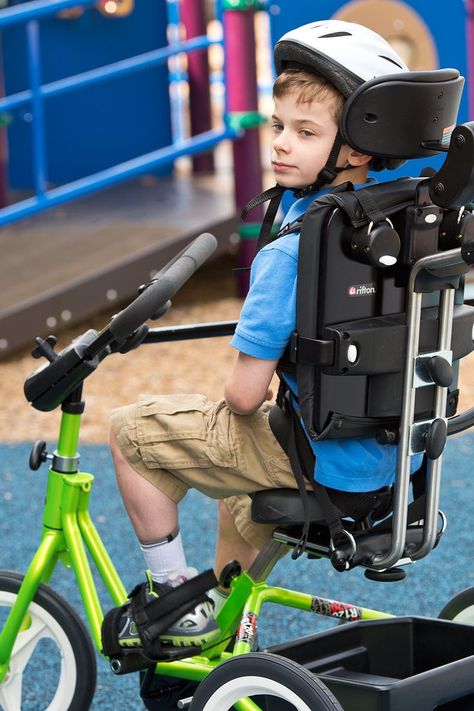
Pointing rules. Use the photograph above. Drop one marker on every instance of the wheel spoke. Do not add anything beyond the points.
(10, 692)
(26, 643)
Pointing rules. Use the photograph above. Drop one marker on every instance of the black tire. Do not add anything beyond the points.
(460, 608)
(272, 682)
(63, 681)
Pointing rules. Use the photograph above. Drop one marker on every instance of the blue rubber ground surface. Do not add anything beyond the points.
(428, 586)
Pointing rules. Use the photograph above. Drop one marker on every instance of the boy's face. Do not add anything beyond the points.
(303, 135)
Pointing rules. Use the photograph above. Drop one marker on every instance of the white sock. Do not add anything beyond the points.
(165, 558)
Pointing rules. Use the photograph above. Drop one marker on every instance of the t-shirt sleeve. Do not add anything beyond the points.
(268, 316)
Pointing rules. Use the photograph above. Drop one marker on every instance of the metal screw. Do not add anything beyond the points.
(439, 188)
(460, 141)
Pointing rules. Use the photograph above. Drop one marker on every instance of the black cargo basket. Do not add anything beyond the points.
(397, 664)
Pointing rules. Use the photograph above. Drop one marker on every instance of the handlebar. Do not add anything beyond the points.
(49, 386)
(164, 287)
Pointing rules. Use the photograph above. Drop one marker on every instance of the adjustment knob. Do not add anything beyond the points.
(38, 455)
(230, 571)
(441, 371)
(376, 244)
(436, 438)
(45, 347)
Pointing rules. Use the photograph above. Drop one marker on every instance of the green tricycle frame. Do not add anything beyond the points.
(229, 673)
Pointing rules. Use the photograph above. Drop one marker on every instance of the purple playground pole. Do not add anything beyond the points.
(193, 17)
(242, 97)
(470, 54)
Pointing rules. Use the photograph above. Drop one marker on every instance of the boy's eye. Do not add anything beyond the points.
(277, 126)
(306, 132)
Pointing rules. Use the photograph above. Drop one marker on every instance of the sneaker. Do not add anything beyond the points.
(196, 628)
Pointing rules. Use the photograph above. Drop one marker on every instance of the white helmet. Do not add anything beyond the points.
(345, 53)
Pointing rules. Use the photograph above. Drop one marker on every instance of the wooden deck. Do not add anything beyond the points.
(68, 263)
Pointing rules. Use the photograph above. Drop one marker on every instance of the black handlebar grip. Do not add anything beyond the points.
(164, 287)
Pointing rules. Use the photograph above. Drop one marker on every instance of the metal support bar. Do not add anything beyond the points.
(434, 475)
(431, 263)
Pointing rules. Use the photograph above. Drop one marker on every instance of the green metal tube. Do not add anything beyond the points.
(80, 564)
(52, 504)
(68, 435)
(34, 575)
(193, 669)
(84, 577)
(100, 556)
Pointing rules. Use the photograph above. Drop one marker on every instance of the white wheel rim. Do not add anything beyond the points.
(43, 626)
(237, 689)
(466, 616)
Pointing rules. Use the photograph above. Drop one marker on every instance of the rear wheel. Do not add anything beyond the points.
(273, 683)
(460, 608)
(53, 664)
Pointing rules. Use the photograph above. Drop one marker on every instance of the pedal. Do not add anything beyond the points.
(130, 661)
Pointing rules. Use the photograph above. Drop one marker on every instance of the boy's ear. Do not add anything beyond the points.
(357, 159)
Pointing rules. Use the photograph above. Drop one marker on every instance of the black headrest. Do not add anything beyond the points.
(406, 115)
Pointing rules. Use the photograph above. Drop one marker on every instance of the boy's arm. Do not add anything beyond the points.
(248, 385)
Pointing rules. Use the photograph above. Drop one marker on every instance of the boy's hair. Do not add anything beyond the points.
(308, 87)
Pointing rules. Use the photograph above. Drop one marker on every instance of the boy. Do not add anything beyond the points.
(163, 446)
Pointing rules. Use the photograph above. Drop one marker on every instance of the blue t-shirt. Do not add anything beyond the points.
(267, 320)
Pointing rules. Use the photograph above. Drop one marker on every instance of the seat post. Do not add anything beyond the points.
(266, 561)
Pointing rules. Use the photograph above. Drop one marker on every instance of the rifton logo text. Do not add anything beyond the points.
(361, 290)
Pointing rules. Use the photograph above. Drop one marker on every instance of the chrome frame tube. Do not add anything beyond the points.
(432, 262)
(430, 524)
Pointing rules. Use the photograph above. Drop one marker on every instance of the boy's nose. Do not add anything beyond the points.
(281, 142)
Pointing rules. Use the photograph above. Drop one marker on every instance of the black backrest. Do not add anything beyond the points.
(351, 312)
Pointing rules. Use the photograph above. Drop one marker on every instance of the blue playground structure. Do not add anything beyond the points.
(90, 101)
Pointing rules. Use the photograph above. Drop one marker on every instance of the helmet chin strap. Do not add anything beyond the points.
(327, 174)
(275, 194)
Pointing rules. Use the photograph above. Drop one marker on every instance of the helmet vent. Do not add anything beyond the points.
(382, 56)
(336, 34)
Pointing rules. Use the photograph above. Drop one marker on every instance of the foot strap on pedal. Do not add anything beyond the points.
(154, 617)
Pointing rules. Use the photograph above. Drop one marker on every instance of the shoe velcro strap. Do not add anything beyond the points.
(156, 616)
(183, 595)
(110, 630)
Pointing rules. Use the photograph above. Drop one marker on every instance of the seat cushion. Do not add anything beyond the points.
(284, 507)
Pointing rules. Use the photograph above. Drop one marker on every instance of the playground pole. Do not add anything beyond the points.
(242, 110)
(193, 17)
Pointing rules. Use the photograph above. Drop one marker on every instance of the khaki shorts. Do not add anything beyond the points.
(178, 442)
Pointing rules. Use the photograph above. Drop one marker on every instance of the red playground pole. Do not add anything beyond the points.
(242, 108)
(193, 17)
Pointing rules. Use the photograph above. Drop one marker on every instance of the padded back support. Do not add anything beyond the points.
(357, 304)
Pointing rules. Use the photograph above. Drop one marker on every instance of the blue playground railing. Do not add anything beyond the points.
(30, 14)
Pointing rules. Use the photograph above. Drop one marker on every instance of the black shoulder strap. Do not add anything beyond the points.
(275, 195)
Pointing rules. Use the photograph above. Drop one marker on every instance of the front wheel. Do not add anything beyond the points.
(53, 664)
(272, 682)
(460, 608)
